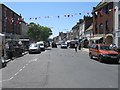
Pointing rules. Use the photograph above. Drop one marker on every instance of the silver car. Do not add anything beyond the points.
(34, 48)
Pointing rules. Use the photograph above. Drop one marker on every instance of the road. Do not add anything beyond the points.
(59, 68)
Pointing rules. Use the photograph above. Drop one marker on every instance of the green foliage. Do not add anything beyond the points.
(39, 33)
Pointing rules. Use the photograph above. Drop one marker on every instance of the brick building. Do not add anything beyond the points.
(10, 24)
(103, 28)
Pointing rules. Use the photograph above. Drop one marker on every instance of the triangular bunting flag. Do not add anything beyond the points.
(68, 15)
(96, 13)
(104, 11)
(75, 14)
(100, 12)
(88, 13)
(115, 9)
(92, 13)
(65, 15)
(110, 10)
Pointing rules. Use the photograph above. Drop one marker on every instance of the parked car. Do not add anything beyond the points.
(54, 45)
(3, 63)
(47, 44)
(34, 48)
(64, 45)
(72, 43)
(41, 45)
(103, 52)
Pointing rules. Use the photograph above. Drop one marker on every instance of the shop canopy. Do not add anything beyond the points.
(2, 34)
(83, 40)
(96, 38)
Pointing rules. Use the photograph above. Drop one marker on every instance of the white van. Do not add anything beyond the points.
(42, 45)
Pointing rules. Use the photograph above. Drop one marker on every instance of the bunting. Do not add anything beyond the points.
(19, 20)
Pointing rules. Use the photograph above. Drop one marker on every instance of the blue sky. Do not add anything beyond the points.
(52, 9)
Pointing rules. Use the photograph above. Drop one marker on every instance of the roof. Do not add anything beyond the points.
(101, 4)
(90, 28)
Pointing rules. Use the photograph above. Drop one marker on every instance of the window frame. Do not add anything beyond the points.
(101, 28)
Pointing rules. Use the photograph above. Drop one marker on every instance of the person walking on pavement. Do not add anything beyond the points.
(11, 50)
(76, 47)
(79, 46)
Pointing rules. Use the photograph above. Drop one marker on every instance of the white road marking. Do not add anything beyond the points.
(19, 70)
(23, 67)
(26, 64)
(11, 78)
(16, 73)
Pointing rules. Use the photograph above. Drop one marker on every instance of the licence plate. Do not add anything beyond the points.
(113, 57)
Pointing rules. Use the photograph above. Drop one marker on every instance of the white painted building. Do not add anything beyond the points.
(117, 23)
(0, 18)
(81, 30)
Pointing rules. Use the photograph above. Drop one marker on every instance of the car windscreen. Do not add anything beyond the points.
(105, 48)
(41, 44)
(64, 44)
(33, 45)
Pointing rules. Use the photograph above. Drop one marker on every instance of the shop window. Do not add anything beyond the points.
(119, 5)
(107, 26)
(107, 9)
(119, 21)
(118, 34)
(5, 12)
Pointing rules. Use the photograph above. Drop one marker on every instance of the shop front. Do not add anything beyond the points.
(108, 39)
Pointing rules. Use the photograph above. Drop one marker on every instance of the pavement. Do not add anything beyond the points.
(15, 57)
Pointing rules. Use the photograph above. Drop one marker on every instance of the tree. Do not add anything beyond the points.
(39, 33)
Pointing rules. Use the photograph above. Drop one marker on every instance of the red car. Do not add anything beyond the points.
(103, 52)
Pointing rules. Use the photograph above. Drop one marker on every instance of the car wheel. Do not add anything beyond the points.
(91, 56)
(100, 59)
(117, 61)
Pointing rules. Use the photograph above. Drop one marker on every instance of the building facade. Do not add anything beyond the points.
(103, 22)
(10, 23)
(117, 23)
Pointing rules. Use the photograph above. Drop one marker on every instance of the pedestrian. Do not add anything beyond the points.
(76, 47)
(111, 46)
(7, 50)
(114, 47)
(80, 46)
(11, 50)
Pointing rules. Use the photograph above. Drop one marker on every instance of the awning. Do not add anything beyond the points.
(2, 34)
(96, 38)
(24, 39)
(83, 40)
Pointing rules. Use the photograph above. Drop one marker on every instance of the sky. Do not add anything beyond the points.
(53, 10)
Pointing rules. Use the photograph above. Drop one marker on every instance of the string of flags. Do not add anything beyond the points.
(21, 20)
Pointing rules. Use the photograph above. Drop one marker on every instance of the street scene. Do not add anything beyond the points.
(59, 68)
(42, 47)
